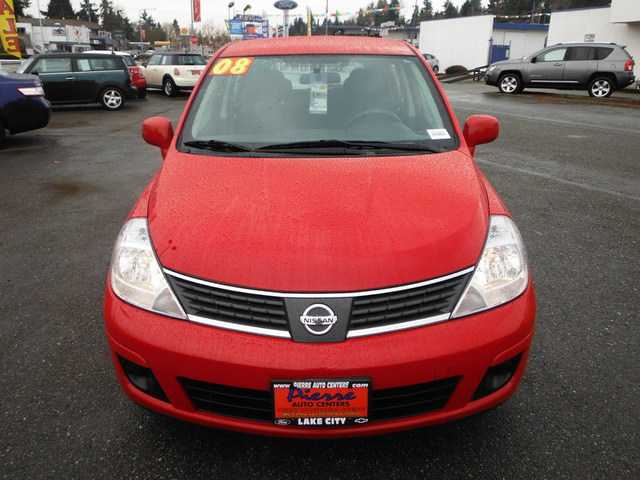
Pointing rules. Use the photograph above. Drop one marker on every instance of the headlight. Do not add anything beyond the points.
(491, 68)
(502, 272)
(136, 276)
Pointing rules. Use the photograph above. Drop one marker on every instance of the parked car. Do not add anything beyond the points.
(83, 78)
(137, 75)
(174, 71)
(22, 104)
(600, 68)
(319, 255)
(433, 62)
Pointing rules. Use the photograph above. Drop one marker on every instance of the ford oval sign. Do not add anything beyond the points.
(282, 5)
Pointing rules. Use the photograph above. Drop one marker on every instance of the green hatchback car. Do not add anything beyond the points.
(82, 78)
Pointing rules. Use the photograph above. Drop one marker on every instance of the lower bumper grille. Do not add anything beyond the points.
(256, 405)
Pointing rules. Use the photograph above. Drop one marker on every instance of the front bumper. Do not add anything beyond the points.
(176, 350)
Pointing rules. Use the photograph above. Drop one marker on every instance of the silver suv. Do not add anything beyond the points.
(600, 68)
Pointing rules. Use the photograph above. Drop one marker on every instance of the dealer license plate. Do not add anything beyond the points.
(196, 72)
(321, 403)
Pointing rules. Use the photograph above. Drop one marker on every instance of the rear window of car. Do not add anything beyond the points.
(190, 60)
(603, 52)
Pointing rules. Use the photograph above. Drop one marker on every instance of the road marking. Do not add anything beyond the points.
(559, 180)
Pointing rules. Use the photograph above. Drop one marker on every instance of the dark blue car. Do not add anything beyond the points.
(22, 104)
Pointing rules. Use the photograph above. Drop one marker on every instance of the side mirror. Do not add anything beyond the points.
(158, 131)
(480, 129)
(144, 64)
(534, 59)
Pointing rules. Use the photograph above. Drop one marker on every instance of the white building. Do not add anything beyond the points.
(618, 23)
(476, 41)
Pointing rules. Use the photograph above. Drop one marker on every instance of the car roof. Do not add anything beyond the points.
(318, 45)
(106, 52)
(176, 53)
(69, 54)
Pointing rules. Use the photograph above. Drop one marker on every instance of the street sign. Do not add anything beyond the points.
(194, 39)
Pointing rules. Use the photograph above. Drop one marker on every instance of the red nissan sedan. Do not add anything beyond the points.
(319, 255)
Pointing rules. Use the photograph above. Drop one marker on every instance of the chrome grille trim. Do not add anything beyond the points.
(359, 293)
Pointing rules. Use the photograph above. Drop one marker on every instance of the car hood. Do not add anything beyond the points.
(318, 225)
(518, 61)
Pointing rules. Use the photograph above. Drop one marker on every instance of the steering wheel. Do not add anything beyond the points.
(374, 111)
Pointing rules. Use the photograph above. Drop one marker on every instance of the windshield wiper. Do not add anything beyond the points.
(218, 146)
(360, 145)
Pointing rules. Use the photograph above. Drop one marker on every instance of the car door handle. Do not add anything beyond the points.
(558, 64)
(71, 78)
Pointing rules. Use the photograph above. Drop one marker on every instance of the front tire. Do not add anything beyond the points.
(112, 98)
(2, 132)
(142, 92)
(600, 87)
(510, 83)
(169, 87)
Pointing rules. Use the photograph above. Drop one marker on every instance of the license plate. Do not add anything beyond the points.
(321, 403)
(195, 72)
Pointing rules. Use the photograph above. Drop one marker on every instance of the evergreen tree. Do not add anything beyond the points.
(426, 12)
(450, 10)
(88, 12)
(19, 6)
(471, 7)
(59, 9)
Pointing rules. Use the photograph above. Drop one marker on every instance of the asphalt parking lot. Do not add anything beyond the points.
(565, 165)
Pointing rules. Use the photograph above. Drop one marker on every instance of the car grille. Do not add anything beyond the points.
(265, 313)
(256, 405)
(404, 306)
(229, 306)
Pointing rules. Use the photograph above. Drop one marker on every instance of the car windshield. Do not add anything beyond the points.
(318, 104)
(23, 67)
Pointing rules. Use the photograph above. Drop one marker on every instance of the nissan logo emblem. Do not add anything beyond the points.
(318, 319)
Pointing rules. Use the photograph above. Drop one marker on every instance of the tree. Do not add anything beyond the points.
(19, 6)
(59, 9)
(450, 10)
(88, 12)
(426, 12)
(471, 7)
(298, 28)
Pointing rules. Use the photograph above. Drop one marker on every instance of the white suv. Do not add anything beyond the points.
(174, 71)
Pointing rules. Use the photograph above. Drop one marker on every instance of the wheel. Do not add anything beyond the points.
(435, 69)
(142, 92)
(169, 87)
(2, 132)
(600, 87)
(510, 83)
(112, 98)
(371, 112)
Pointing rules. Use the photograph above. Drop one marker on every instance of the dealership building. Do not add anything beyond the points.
(479, 40)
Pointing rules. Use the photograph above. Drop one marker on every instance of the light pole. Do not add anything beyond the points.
(140, 23)
(230, 6)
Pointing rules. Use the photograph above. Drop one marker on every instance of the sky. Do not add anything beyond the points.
(216, 11)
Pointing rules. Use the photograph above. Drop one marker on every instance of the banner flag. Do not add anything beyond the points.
(197, 17)
(8, 30)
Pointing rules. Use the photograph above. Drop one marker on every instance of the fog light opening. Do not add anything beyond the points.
(143, 379)
(497, 377)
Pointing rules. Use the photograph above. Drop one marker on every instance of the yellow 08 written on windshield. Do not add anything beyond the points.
(232, 66)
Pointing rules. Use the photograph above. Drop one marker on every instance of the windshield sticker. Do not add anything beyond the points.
(232, 66)
(438, 134)
(319, 93)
